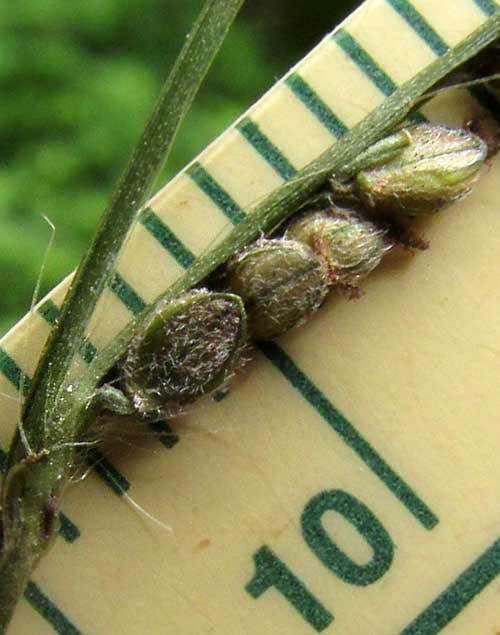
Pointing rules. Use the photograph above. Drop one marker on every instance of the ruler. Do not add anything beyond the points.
(347, 484)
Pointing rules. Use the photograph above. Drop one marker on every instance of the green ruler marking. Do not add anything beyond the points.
(128, 295)
(349, 434)
(271, 571)
(420, 25)
(488, 7)
(266, 148)
(460, 592)
(303, 91)
(216, 193)
(49, 611)
(67, 529)
(134, 303)
(365, 62)
(49, 311)
(12, 371)
(108, 472)
(165, 434)
(166, 237)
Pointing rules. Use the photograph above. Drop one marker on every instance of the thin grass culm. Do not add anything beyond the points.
(325, 229)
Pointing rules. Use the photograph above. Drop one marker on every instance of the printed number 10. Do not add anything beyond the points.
(270, 571)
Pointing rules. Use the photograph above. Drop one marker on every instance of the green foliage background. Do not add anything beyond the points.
(77, 82)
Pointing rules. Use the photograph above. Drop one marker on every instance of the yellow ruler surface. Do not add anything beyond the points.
(348, 483)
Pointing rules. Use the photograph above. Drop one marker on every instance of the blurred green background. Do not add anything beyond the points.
(77, 82)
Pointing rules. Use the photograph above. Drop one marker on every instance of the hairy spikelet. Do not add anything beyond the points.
(188, 349)
(281, 283)
(350, 245)
(440, 166)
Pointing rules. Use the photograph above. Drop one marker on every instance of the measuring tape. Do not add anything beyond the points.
(348, 482)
